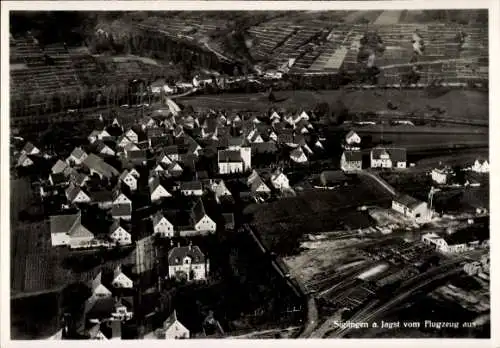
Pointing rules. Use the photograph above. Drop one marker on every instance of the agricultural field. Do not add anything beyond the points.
(21, 197)
(473, 105)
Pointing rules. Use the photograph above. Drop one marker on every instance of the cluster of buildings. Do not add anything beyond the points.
(380, 157)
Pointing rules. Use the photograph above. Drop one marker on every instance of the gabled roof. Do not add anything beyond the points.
(407, 201)
(177, 254)
(64, 223)
(124, 174)
(28, 147)
(191, 185)
(77, 178)
(102, 196)
(59, 166)
(396, 154)
(22, 159)
(157, 217)
(197, 211)
(153, 182)
(229, 156)
(78, 153)
(97, 164)
(121, 210)
(353, 156)
(72, 191)
(118, 223)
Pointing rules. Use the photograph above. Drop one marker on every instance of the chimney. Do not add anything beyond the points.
(171, 243)
(190, 245)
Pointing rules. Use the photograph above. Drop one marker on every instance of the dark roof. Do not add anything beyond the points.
(407, 201)
(229, 156)
(137, 155)
(177, 254)
(353, 156)
(476, 232)
(96, 163)
(197, 211)
(396, 154)
(121, 210)
(266, 147)
(228, 220)
(335, 176)
(191, 185)
(58, 178)
(64, 223)
(102, 196)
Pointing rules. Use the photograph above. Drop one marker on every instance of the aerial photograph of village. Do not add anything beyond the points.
(249, 174)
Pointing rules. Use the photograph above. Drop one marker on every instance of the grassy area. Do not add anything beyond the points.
(20, 198)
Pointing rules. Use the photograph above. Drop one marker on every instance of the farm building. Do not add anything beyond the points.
(351, 160)
(174, 329)
(187, 262)
(381, 157)
(411, 207)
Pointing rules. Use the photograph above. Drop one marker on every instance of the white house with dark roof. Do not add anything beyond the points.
(77, 156)
(98, 135)
(96, 165)
(30, 149)
(24, 161)
(104, 149)
(75, 194)
(256, 183)
(187, 262)
(191, 188)
(298, 156)
(129, 179)
(132, 135)
(220, 190)
(120, 280)
(173, 328)
(352, 139)
(67, 230)
(119, 234)
(351, 161)
(229, 161)
(156, 189)
(60, 167)
(411, 207)
(201, 221)
(279, 180)
(123, 141)
(385, 157)
(161, 226)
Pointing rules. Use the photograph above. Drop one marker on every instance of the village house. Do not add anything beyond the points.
(98, 290)
(75, 194)
(119, 198)
(191, 188)
(257, 185)
(441, 175)
(98, 135)
(129, 147)
(442, 244)
(352, 141)
(67, 230)
(333, 178)
(104, 149)
(229, 161)
(103, 198)
(220, 190)
(132, 135)
(254, 136)
(60, 167)
(137, 158)
(173, 170)
(77, 156)
(481, 167)
(161, 226)
(24, 161)
(96, 165)
(411, 207)
(156, 190)
(298, 156)
(119, 234)
(187, 262)
(279, 180)
(58, 179)
(228, 219)
(121, 211)
(381, 157)
(123, 141)
(30, 149)
(120, 280)
(129, 179)
(78, 178)
(351, 161)
(173, 328)
(201, 221)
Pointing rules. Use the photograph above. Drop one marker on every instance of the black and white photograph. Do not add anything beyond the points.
(236, 174)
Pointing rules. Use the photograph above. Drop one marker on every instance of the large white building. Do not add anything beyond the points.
(187, 262)
(411, 208)
(382, 157)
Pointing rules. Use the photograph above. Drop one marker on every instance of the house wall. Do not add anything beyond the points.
(246, 156)
(229, 168)
(122, 281)
(192, 192)
(81, 197)
(107, 151)
(58, 239)
(400, 164)
(132, 136)
(440, 178)
(121, 236)
(419, 212)
(205, 224)
(176, 331)
(350, 165)
(301, 159)
(101, 292)
(159, 193)
(381, 163)
(164, 228)
(105, 205)
(399, 208)
(131, 182)
(353, 139)
(281, 182)
(198, 271)
(122, 199)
